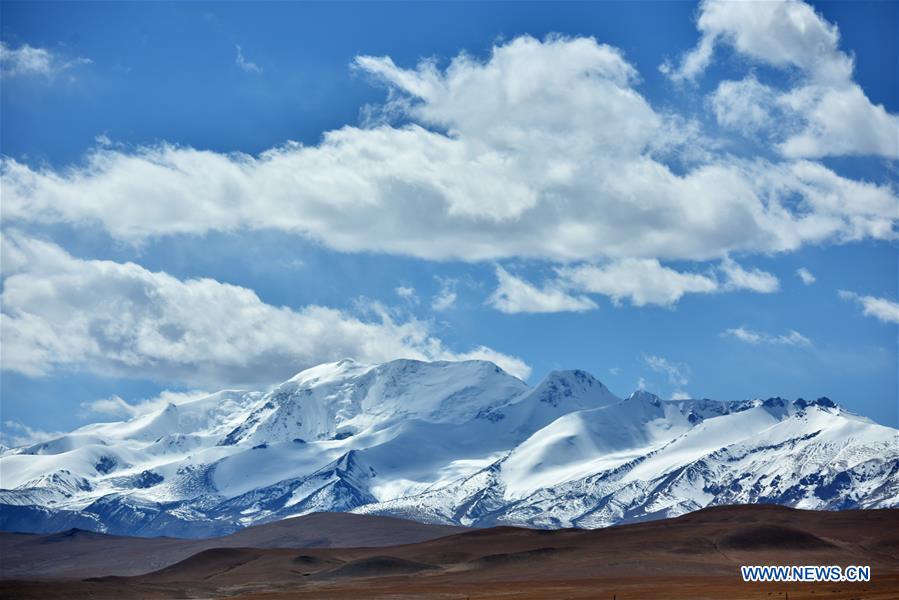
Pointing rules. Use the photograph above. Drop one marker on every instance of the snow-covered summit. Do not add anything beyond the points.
(342, 399)
(454, 442)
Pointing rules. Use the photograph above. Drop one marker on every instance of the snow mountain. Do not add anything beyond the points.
(443, 442)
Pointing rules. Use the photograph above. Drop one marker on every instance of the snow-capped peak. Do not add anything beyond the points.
(346, 398)
(328, 372)
(644, 396)
(576, 389)
(454, 442)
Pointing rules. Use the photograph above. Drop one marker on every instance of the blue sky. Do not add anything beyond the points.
(199, 196)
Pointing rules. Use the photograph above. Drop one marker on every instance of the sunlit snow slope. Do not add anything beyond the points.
(449, 442)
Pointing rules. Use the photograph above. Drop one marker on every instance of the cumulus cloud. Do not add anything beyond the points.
(782, 34)
(27, 60)
(543, 150)
(839, 121)
(791, 338)
(868, 210)
(825, 114)
(245, 65)
(61, 312)
(881, 309)
(805, 275)
(642, 281)
(515, 295)
(647, 281)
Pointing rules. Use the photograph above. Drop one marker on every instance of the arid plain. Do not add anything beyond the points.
(694, 556)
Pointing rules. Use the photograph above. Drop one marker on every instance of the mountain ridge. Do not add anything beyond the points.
(454, 443)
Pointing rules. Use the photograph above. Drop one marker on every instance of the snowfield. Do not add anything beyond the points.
(447, 442)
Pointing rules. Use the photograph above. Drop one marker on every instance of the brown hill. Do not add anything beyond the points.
(79, 554)
(694, 556)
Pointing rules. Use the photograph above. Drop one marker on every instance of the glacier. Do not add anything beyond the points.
(461, 443)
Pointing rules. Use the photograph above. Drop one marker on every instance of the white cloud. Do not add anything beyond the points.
(805, 275)
(61, 312)
(791, 338)
(115, 406)
(244, 64)
(881, 309)
(510, 364)
(27, 60)
(407, 293)
(825, 114)
(839, 121)
(446, 297)
(782, 34)
(756, 280)
(18, 434)
(866, 209)
(642, 281)
(545, 150)
(514, 295)
(680, 395)
(693, 63)
(746, 106)
(678, 375)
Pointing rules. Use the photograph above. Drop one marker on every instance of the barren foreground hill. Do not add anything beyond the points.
(693, 556)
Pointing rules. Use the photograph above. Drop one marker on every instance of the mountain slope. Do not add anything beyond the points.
(446, 442)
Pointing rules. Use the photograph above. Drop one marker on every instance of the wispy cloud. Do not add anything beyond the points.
(17, 434)
(446, 297)
(241, 61)
(678, 375)
(755, 280)
(881, 309)
(407, 293)
(806, 276)
(30, 61)
(790, 338)
(115, 406)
